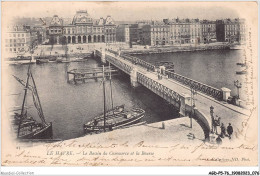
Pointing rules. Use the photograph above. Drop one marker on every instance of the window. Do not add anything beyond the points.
(11, 40)
(18, 35)
(22, 35)
(14, 35)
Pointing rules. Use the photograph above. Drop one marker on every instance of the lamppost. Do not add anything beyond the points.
(238, 85)
(212, 118)
(193, 93)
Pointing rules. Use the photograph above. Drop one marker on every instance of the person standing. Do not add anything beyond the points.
(229, 130)
(223, 130)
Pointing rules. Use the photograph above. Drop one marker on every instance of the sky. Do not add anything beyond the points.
(129, 11)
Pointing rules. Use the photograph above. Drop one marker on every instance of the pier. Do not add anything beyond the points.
(199, 101)
(80, 75)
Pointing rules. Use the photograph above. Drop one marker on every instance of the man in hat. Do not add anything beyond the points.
(229, 130)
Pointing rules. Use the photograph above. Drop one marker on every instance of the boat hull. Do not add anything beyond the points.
(91, 128)
(42, 133)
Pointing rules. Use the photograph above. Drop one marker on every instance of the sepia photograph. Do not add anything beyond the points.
(129, 84)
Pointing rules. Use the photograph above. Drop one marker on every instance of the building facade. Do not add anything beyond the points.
(155, 34)
(20, 39)
(231, 30)
(123, 33)
(83, 29)
(208, 31)
(195, 31)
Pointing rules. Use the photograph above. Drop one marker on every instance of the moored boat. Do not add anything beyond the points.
(114, 118)
(28, 127)
(20, 60)
(241, 64)
(241, 72)
(41, 61)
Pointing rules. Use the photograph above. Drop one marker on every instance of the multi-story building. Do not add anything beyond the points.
(19, 39)
(83, 29)
(208, 31)
(195, 31)
(156, 33)
(54, 31)
(41, 34)
(231, 31)
(241, 31)
(136, 33)
(175, 33)
(184, 31)
(123, 33)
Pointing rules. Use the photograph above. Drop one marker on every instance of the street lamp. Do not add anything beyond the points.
(238, 85)
(193, 93)
(212, 118)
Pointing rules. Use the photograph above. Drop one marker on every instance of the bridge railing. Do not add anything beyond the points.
(208, 90)
(161, 90)
(112, 51)
(98, 53)
(125, 67)
(137, 61)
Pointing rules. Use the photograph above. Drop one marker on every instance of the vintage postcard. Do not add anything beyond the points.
(129, 84)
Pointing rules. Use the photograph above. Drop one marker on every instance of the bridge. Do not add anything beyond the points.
(201, 102)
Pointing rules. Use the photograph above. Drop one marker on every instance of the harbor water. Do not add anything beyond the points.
(69, 106)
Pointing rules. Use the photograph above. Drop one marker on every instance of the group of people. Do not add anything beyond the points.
(224, 132)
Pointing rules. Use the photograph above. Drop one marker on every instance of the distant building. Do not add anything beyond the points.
(156, 33)
(195, 31)
(82, 29)
(231, 30)
(123, 33)
(185, 31)
(241, 31)
(208, 31)
(54, 32)
(19, 39)
(175, 31)
(41, 34)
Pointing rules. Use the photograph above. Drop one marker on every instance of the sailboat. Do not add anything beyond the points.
(114, 118)
(28, 127)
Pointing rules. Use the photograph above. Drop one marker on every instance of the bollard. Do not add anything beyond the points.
(163, 125)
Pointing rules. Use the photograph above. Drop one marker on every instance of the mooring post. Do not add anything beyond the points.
(74, 78)
(68, 77)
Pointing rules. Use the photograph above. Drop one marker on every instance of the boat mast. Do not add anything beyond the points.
(104, 94)
(38, 100)
(24, 98)
(111, 92)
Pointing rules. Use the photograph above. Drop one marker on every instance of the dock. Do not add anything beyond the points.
(80, 75)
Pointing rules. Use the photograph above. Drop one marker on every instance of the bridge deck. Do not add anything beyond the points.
(229, 113)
